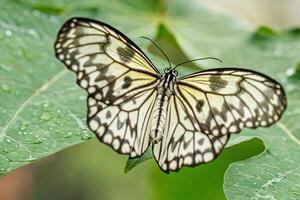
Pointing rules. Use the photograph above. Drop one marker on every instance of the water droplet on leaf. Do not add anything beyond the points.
(86, 137)
(8, 33)
(23, 126)
(69, 134)
(46, 104)
(45, 116)
(37, 140)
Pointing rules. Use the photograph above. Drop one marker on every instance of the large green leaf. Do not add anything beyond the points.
(42, 110)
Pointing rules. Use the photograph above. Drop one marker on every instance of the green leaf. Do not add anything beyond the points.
(42, 109)
(132, 162)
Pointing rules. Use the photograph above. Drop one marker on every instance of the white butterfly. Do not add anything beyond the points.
(131, 106)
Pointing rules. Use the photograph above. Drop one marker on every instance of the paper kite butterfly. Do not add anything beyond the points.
(131, 105)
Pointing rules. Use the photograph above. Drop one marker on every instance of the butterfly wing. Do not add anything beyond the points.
(119, 78)
(216, 103)
(183, 144)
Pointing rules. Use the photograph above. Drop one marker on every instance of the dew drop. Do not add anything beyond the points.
(37, 140)
(46, 104)
(45, 116)
(69, 134)
(8, 33)
(8, 140)
(86, 137)
(290, 72)
(23, 126)
(33, 33)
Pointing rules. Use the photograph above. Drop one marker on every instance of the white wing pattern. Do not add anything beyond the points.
(183, 143)
(119, 78)
(191, 118)
(225, 100)
(210, 105)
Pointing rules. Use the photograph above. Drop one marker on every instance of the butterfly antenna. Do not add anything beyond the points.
(205, 58)
(159, 49)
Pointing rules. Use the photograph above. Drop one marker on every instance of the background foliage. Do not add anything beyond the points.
(43, 111)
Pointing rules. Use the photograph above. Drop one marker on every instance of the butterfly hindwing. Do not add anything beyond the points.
(119, 78)
(223, 101)
(125, 127)
(183, 144)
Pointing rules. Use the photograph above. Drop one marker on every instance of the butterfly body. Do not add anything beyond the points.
(131, 106)
(165, 90)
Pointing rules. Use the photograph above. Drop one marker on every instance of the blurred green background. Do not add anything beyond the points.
(93, 171)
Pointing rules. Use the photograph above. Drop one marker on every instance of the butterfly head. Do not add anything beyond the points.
(169, 78)
(170, 71)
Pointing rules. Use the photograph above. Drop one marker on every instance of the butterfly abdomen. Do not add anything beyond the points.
(159, 117)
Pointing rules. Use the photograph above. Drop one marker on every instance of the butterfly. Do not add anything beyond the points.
(132, 106)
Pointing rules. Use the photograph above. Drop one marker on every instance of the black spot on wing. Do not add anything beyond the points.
(125, 54)
(108, 114)
(199, 105)
(217, 83)
(127, 82)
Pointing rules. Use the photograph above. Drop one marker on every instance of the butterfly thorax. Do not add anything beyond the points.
(165, 90)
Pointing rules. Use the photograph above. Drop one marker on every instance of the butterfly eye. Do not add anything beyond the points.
(166, 70)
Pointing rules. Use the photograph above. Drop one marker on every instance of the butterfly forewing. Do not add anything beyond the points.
(120, 81)
(223, 101)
